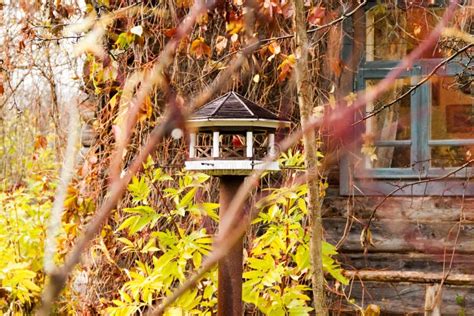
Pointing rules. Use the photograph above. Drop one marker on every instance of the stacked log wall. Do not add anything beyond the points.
(418, 242)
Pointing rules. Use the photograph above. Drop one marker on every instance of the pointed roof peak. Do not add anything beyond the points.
(233, 105)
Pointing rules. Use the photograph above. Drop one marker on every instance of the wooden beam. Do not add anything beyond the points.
(410, 276)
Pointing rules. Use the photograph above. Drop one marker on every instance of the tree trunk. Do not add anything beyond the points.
(305, 101)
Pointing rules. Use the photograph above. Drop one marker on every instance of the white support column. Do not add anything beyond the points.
(271, 144)
(192, 145)
(249, 139)
(215, 144)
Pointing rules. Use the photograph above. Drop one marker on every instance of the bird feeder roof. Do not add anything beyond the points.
(233, 109)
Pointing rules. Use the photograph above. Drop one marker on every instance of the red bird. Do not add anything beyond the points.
(237, 141)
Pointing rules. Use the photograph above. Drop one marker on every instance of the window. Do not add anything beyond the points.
(415, 132)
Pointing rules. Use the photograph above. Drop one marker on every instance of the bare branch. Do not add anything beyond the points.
(61, 192)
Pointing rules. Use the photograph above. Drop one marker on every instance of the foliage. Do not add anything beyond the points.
(277, 268)
(171, 250)
(23, 213)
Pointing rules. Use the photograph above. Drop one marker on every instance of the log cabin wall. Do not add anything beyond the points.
(417, 242)
(421, 260)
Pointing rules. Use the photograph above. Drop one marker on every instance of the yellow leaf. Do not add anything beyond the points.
(332, 101)
(113, 101)
(372, 310)
(350, 98)
(286, 67)
(234, 26)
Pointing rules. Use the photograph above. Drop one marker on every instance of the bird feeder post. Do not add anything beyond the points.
(229, 279)
(216, 149)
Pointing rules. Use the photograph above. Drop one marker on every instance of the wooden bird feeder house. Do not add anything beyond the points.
(231, 136)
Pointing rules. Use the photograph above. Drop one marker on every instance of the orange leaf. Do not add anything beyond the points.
(169, 32)
(199, 48)
(146, 109)
(336, 66)
(184, 3)
(203, 19)
(286, 67)
(40, 142)
(274, 48)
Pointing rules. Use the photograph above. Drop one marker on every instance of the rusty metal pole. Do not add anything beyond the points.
(229, 286)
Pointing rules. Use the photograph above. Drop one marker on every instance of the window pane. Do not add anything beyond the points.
(392, 33)
(390, 157)
(392, 123)
(452, 112)
(450, 156)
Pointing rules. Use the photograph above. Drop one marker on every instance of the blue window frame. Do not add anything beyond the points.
(419, 144)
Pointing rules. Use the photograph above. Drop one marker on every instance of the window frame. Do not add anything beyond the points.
(420, 179)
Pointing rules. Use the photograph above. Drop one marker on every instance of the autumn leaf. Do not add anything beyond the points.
(184, 3)
(287, 10)
(316, 15)
(372, 310)
(256, 78)
(350, 98)
(274, 48)
(146, 109)
(199, 48)
(332, 101)
(40, 142)
(286, 67)
(234, 26)
(221, 44)
(336, 66)
(203, 19)
(169, 32)
(183, 45)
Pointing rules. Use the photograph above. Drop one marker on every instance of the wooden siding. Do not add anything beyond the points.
(414, 240)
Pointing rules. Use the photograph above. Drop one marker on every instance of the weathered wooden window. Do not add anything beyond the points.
(415, 132)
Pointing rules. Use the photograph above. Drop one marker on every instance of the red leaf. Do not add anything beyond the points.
(316, 15)
(169, 32)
